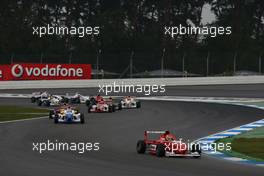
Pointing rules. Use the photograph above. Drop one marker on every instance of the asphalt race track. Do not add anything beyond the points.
(117, 134)
(243, 91)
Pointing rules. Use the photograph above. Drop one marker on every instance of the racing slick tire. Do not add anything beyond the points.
(88, 103)
(138, 104)
(47, 103)
(33, 99)
(111, 108)
(119, 106)
(39, 102)
(141, 147)
(75, 101)
(160, 150)
(64, 100)
(89, 108)
(56, 119)
(82, 118)
(196, 148)
(51, 113)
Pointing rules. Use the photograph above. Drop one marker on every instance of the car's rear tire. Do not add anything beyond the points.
(89, 109)
(82, 118)
(138, 104)
(196, 148)
(119, 106)
(160, 150)
(141, 147)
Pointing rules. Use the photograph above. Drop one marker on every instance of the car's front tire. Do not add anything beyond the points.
(88, 103)
(56, 119)
(39, 102)
(51, 113)
(141, 147)
(110, 109)
(138, 104)
(47, 103)
(33, 99)
(82, 119)
(65, 100)
(160, 150)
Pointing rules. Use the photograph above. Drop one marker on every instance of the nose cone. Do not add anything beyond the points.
(69, 117)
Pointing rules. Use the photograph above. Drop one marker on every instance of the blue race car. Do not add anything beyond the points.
(66, 114)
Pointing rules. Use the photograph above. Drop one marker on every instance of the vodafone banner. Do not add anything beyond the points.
(44, 71)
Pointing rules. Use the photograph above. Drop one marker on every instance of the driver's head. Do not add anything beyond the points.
(169, 137)
(167, 132)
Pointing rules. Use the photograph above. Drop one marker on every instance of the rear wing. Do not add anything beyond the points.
(153, 132)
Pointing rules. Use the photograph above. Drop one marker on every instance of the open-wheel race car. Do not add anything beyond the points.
(100, 104)
(51, 100)
(66, 114)
(76, 98)
(129, 102)
(38, 95)
(167, 145)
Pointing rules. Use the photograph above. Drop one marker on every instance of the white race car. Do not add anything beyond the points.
(37, 95)
(52, 100)
(130, 102)
(76, 99)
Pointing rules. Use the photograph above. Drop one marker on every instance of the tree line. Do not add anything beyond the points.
(133, 26)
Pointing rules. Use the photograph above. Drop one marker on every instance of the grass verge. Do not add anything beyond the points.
(8, 113)
(248, 145)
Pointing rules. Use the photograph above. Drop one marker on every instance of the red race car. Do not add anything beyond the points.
(99, 104)
(167, 145)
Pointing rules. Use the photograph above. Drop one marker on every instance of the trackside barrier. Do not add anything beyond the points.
(140, 81)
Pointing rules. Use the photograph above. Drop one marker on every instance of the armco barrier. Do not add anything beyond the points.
(142, 81)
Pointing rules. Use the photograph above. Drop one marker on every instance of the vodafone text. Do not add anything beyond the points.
(34, 71)
(17, 71)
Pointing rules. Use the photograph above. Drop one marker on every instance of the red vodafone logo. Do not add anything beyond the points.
(1, 74)
(47, 71)
(17, 70)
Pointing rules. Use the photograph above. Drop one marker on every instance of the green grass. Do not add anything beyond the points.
(248, 145)
(8, 113)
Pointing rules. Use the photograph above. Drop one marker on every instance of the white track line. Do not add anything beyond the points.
(22, 120)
